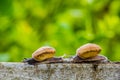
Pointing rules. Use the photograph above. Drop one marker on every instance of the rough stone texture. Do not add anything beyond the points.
(59, 71)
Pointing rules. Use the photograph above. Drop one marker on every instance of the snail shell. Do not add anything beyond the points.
(88, 51)
(43, 53)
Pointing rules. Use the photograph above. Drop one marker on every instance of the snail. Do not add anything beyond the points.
(89, 53)
(43, 54)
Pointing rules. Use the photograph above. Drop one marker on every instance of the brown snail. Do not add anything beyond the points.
(43, 54)
(89, 53)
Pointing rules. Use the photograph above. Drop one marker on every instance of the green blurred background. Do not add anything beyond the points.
(26, 25)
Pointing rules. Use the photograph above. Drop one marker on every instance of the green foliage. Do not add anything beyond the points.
(66, 25)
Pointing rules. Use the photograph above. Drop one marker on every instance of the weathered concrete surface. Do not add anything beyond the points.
(59, 71)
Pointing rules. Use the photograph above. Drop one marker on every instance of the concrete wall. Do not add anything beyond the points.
(59, 71)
